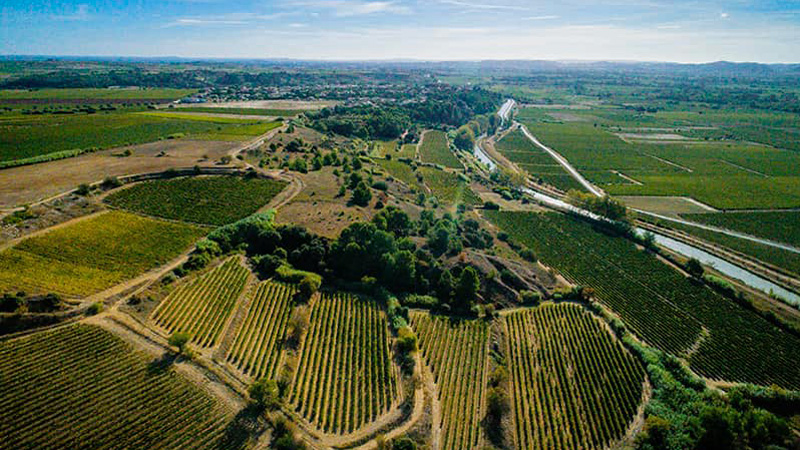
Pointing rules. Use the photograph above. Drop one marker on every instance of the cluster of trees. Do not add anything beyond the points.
(466, 135)
(19, 302)
(446, 106)
(603, 206)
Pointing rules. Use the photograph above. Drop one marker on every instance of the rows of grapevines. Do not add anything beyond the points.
(573, 385)
(661, 305)
(81, 387)
(203, 306)
(456, 352)
(256, 350)
(345, 378)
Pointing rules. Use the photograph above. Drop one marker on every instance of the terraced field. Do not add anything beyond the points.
(81, 387)
(214, 200)
(456, 351)
(435, 149)
(256, 350)
(94, 254)
(347, 336)
(202, 306)
(720, 339)
(573, 385)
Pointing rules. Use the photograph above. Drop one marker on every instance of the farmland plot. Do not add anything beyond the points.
(780, 226)
(202, 307)
(456, 353)
(345, 377)
(81, 387)
(720, 339)
(216, 200)
(448, 188)
(520, 150)
(256, 350)
(435, 149)
(92, 254)
(572, 385)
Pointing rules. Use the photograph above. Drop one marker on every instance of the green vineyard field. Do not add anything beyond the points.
(256, 350)
(435, 149)
(202, 306)
(94, 254)
(539, 164)
(80, 387)
(780, 226)
(345, 377)
(456, 351)
(210, 200)
(720, 339)
(573, 386)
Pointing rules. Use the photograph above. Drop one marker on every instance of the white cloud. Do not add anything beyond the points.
(724, 15)
(541, 18)
(484, 6)
(350, 8)
(81, 13)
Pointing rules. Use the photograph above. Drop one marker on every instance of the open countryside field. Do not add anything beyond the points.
(779, 226)
(243, 111)
(435, 149)
(90, 95)
(259, 341)
(83, 387)
(94, 254)
(212, 200)
(660, 304)
(456, 352)
(202, 306)
(347, 336)
(711, 172)
(573, 385)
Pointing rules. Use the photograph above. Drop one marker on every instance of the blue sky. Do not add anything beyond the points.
(647, 30)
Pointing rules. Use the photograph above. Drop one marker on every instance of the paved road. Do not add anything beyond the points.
(505, 110)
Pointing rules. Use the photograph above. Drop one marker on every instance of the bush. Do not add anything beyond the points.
(180, 340)
(94, 309)
(406, 340)
(265, 394)
(380, 185)
(309, 284)
(404, 443)
(83, 190)
(530, 297)
(491, 206)
(421, 301)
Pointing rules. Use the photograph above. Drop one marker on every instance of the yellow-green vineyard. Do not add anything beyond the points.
(202, 306)
(345, 377)
(456, 352)
(81, 387)
(573, 385)
(256, 350)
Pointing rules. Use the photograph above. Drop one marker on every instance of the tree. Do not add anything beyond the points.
(404, 443)
(468, 286)
(180, 339)
(694, 267)
(309, 285)
(445, 286)
(361, 194)
(265, 394)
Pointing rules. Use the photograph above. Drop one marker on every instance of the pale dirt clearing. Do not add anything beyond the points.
(668, 206)
(28, 184)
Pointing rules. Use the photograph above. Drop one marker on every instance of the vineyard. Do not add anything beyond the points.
(781, 226)
(256, 350)
(456, 352)
(94, 254)
(211, 200)
(573, 385)
(202, 307)
(720, 339)
(435, 149)
(448, 187)
(519, 149)
(345, 377)
(81, 387)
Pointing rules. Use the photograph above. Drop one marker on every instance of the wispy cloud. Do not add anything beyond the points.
(541, 18)
(226, 19)
(349, 8)
(483, 5)
(80, 13)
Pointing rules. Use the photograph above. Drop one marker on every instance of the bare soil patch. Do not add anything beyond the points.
(668, 206)
(28, 184)
(324, 218)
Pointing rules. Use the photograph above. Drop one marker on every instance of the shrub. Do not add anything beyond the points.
(180, 340)
(406, 340)
(265, 394)
(421, 301)
(492, 206)
(309, 284)
(380, 185)
(94, 309)
(83, 190)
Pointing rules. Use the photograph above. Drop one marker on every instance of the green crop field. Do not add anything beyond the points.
(720, 339)
(245, 111)
(539, 164)
(435, 149)
(573, 385)
(456, 351)
(238, 133)
(95, 95)
(256, 350)
(724, 175)
(213, 200)
(347, 336)
(448, 188)
(93, 254)
(780, 226)
(202, 307)
(402, 172)
(383, 148)
(83, 387)
(167, 114)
